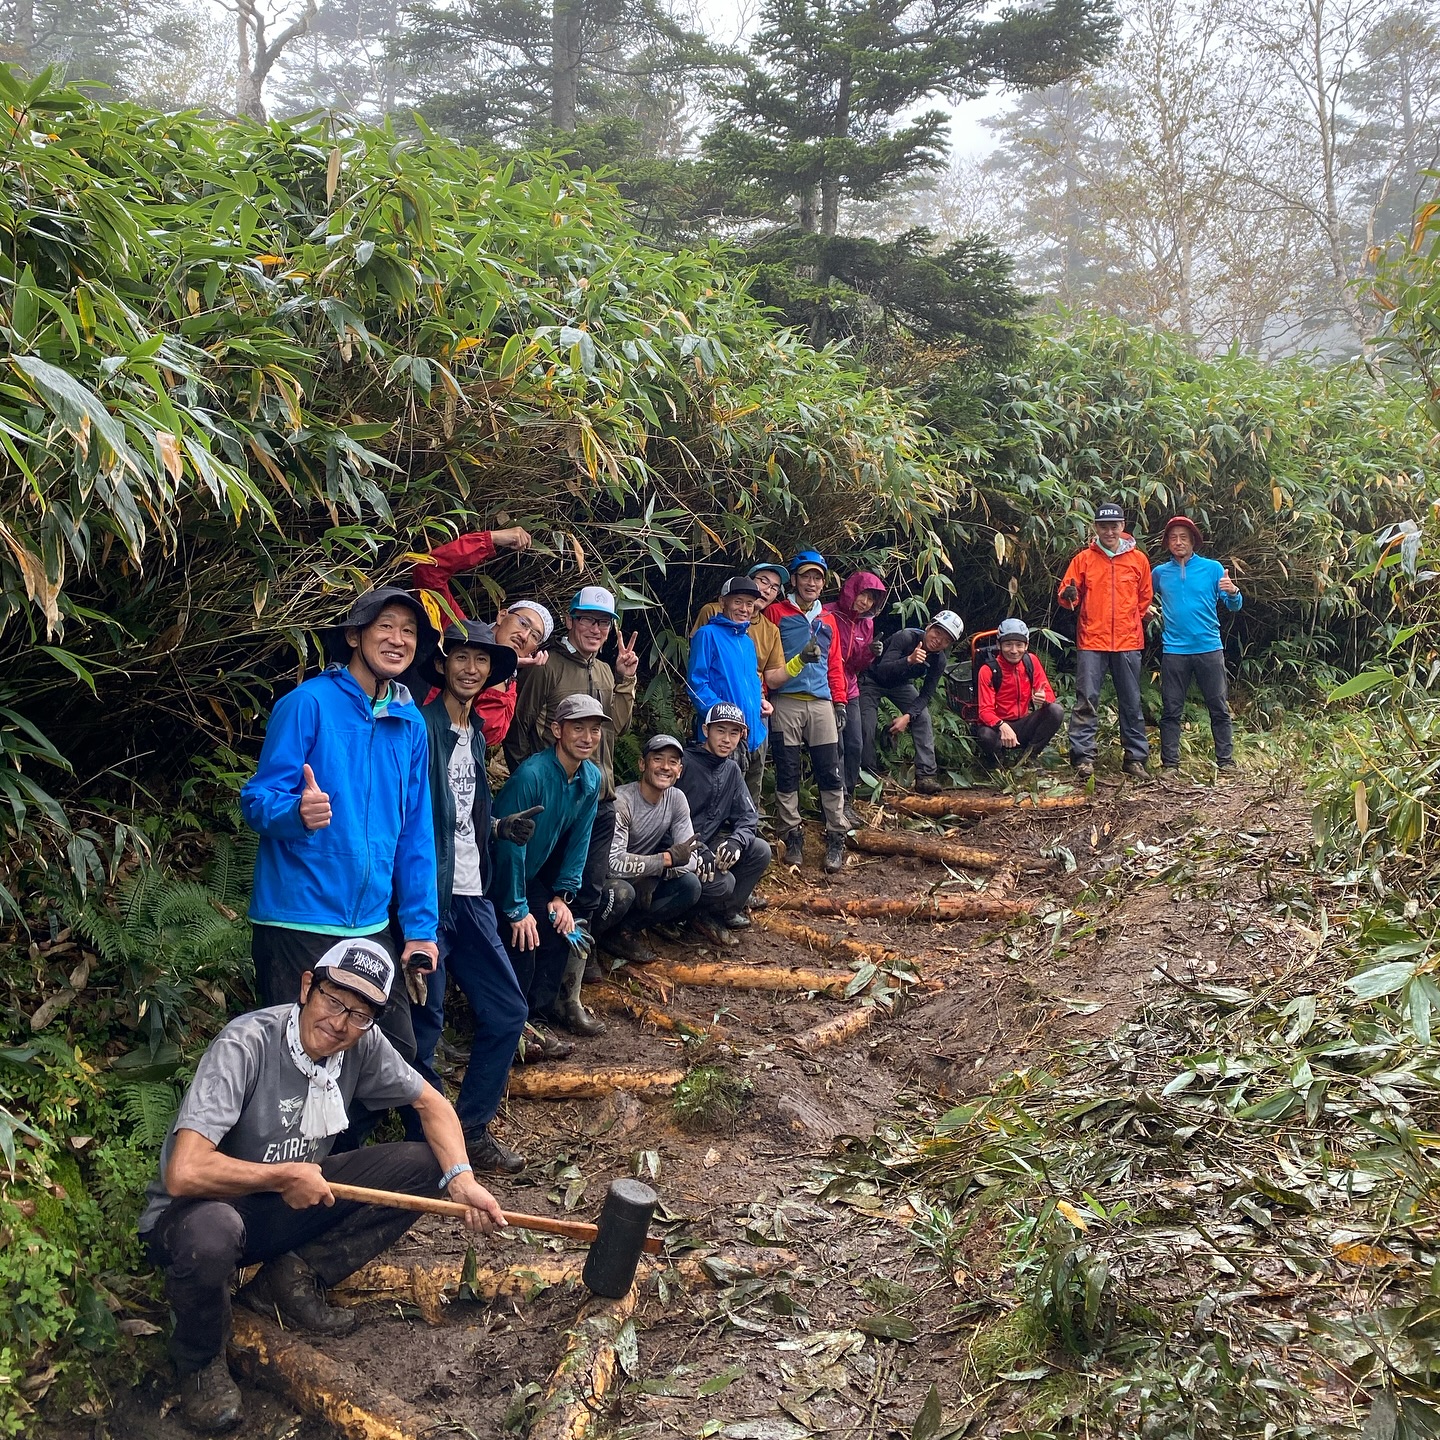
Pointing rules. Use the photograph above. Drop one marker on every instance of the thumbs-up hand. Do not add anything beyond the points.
(314, 804)
(1227, 584)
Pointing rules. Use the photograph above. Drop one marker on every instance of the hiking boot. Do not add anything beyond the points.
(627, 945)
(210, 1399)
(794, 846)
(851, 818)
(670, 931)
(287, 1285)
(1084, 769)
(485, 1152)
(1169, 772)
(736, 920)
(1135, 768)
(927, 785)
(757, 902)
(713, 931)
(834, 852)
(538, 1046)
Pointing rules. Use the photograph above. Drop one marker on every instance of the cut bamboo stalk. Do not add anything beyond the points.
(556, 1082)
(614, 997)
(751, 977)
(821, 940)
(963, 802)
(920, 908)
(835, 1031)
(575, 1398)
(321, 1387)
(924, 847)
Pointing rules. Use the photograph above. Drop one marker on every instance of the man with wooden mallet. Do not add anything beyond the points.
(246, 1170)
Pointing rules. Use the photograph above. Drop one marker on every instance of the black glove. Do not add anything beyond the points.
(680, 853)
(877, 648)
(705, 864)
(519, 828)
(841, 711)
(1070, 594)
(811, 653)
(727, 852)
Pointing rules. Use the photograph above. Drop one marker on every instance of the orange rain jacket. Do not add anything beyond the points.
(1115, 593)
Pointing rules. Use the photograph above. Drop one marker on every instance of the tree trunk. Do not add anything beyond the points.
(830, 181)
(565, 31)
(249, 104)
(22, 35)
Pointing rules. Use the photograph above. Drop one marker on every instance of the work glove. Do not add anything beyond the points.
(1070, 594)
(877, 648)
(519, 828)
(811, 653)
(841, 711)
(705, 864)
(681, 852)
(727, 853)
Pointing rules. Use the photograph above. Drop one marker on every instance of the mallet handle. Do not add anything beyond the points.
(571, 1229)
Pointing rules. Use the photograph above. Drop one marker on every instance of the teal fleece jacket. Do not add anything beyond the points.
(562, 832)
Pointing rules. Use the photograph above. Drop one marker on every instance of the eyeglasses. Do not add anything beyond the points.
(332, 1007)
(602, 622)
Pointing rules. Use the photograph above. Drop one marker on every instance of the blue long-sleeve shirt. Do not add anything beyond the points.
(563, 831)
(374, 765)
(1188, 593)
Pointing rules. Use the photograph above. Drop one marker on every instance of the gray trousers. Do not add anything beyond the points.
(852, 746)
(755, 769)
(1208, 670)
(902, 696)
(1123, 667)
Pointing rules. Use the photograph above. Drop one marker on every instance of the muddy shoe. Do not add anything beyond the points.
(927, 785)
(1135, 769)
(757, 902)
(834, 852)
(852, 818)
(538, 1046)
(488, 1154)
(210, 1399)
(709, 929)
(288, 1285)
(737, 920)
(627, 945)
(794, 846)
(1084, 769)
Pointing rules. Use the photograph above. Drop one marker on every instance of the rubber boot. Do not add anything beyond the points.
(568, 1009)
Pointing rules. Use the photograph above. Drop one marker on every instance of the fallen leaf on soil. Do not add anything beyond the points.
(1357, 1252)
(887, 1327)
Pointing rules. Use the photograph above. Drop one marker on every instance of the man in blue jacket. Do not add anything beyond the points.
(470, 946)
(1189, 587)
(537, 882)
(341, 803)
(722, 659)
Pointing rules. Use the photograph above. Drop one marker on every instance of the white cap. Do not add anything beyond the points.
(546, 619)
(595, 599)
(950, 623)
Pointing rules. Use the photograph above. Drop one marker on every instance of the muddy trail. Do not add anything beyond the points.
(779, 1311)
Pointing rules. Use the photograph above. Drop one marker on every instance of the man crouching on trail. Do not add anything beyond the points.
(245, 1171)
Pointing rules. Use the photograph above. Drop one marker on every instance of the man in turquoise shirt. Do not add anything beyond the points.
(1189, 588)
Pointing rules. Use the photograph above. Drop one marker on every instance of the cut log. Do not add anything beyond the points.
(750, 977)
(576, 1397)
(924, 847)
(920, 908)
(613, 998)
(820, 940)
(969, 803)
(835, 1031)
(319, 1386)
(558, 1082)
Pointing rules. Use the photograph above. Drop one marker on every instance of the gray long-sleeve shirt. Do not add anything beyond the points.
(644, 832)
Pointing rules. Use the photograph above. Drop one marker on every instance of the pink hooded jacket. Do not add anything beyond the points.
(855, 631)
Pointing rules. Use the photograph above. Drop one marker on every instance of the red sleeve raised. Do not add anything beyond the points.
(451, 559)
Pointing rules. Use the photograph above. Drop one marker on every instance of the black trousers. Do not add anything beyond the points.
(201, 1243)
(1034, 732)
(727, 893)
(599, 903)
(540, 971)
(1208, 671)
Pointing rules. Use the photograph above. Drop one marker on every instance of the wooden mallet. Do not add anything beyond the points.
(616, 1243)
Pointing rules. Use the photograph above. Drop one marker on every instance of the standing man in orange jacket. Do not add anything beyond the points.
(1108, 582)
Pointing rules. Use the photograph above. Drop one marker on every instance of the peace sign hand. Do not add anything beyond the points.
(627, 660)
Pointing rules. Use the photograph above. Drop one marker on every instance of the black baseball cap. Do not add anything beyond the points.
(740, 585)
(1110, 511)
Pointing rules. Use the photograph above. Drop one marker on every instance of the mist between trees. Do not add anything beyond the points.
(1219, 168)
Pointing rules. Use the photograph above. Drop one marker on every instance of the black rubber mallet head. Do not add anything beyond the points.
(620, 1239)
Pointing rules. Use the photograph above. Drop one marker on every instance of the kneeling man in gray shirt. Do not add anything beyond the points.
(245, 1172)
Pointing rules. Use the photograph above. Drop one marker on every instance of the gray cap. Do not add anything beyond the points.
(663, 742)
(1012, 629)
(580, 707)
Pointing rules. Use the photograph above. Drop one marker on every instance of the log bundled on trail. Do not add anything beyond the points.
(559, 1082)
(834, 1031)
(576, 1395)
(924, 847)
(750, 977)
(968, 803)
(920, 908)
(820, 940)
(615, 998)
(319, 1386)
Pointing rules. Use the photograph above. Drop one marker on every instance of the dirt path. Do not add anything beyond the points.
(847, 1339)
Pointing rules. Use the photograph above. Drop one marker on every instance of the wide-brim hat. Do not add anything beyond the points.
(366, 607)
(477, 636)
